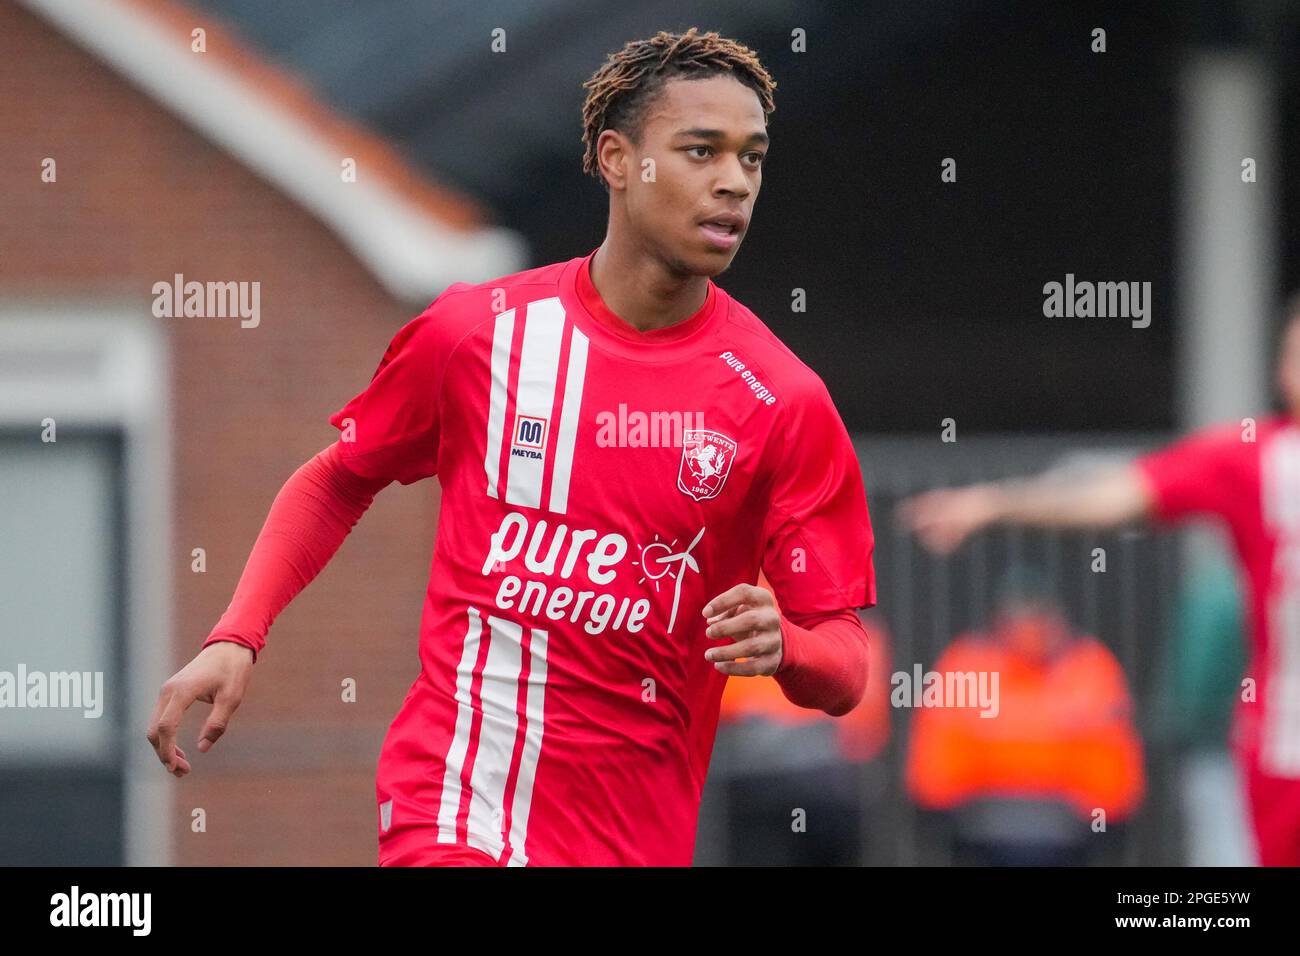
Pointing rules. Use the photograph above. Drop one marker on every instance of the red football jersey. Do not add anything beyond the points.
(599, 486)
(1252, 481)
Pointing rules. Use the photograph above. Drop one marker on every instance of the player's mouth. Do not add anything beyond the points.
(724, 230)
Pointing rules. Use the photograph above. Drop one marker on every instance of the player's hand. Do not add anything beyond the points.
(218, 675)
(944, 519)
(747, 614)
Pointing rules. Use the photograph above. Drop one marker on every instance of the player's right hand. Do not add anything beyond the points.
(943, 519)
(218, 675)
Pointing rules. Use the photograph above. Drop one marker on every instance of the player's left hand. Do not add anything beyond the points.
(747, 614)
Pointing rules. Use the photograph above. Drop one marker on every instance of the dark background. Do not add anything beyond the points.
(924, 298)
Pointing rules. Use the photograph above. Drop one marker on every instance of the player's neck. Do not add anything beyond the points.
(640, 291)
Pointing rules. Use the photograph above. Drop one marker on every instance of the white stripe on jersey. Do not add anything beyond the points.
(568, 435)
(1280, 733)
(498, 700)
(498, 730)
(1281, 492)
(535, 713)
(1280, 746)
(539, 362)
(449, 806)
(502, 334)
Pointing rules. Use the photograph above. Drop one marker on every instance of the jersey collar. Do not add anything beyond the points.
(597, 321)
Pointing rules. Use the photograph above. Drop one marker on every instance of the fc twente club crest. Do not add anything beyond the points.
(706, 462)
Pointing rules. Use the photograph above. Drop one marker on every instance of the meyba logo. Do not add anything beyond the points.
(529, 438)
(102, 909)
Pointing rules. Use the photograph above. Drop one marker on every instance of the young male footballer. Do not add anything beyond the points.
(1247, 475)
(621, 446)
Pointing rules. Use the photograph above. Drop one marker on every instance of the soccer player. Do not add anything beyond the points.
(621, 447)
(1248, 475)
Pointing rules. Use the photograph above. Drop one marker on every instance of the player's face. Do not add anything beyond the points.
(1288, 367)
(708, 141)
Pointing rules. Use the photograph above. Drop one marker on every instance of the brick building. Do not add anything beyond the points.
(173, 434)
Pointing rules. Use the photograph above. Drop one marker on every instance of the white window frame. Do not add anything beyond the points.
(88, 363)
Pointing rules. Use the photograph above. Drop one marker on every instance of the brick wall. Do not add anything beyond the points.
(140, 196)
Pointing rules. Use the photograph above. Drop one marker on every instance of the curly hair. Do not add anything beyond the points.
(620, 92)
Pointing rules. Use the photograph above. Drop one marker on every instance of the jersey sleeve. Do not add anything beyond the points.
(817, 537)
(1194, 476)
(391, 429)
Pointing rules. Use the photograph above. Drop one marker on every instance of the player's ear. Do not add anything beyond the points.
(613, 154)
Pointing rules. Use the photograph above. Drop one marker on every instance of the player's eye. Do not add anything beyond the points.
(756, 157)
(693, 148)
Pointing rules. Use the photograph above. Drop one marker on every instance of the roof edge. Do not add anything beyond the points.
(414, 237)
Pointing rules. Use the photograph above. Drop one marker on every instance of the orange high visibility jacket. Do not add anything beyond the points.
(1064, 729)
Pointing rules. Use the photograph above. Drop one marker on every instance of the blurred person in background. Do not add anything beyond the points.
(1245, 473)
(775, 758)
(1023, 784)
